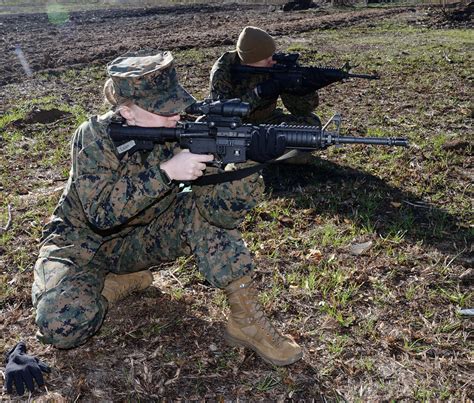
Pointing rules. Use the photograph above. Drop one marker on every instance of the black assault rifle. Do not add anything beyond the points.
(288, 72)
(223, 134)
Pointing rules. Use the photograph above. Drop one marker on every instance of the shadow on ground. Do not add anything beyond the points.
(368, 201)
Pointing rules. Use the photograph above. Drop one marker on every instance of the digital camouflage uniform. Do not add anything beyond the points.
(119, 215)
(225, 85)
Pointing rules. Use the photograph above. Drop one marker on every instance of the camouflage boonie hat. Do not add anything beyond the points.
(149, 82)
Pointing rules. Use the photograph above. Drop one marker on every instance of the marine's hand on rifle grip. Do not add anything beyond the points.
(186, 166)
(266, 145)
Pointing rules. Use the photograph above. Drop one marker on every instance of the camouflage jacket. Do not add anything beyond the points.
(105, 196)
(224, 86)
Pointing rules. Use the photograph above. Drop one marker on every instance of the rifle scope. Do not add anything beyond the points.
(288, 59)
(230, 108)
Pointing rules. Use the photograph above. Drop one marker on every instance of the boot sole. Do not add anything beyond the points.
(240, 343)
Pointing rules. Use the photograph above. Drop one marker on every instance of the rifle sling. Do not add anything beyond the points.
(230, 176)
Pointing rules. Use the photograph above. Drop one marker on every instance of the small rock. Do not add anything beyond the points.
(360, 248)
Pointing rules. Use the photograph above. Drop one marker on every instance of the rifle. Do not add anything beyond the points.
(286, 70)
(225, 136)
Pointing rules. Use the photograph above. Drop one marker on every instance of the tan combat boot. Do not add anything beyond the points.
(249, 327)
(119, 286)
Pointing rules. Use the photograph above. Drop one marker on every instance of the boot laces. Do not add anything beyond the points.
(262, 319)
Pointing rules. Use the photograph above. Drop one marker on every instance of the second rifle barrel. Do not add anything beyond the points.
(366, 76)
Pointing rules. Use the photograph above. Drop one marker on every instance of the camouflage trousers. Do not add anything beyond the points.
(67, 289)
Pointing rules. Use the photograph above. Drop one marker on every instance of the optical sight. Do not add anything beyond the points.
(230, 108)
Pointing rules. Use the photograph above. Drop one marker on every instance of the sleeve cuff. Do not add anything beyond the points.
(165, 178)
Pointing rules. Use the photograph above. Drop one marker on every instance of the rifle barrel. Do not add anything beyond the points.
(383, 141)
(316, 138)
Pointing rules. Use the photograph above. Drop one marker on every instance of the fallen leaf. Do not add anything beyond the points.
(314, 255)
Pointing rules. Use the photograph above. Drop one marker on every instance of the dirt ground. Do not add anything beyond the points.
(97, 37)
(167, 343)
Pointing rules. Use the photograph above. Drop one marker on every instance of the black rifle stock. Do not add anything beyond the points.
(223, 134)
(286, 70)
